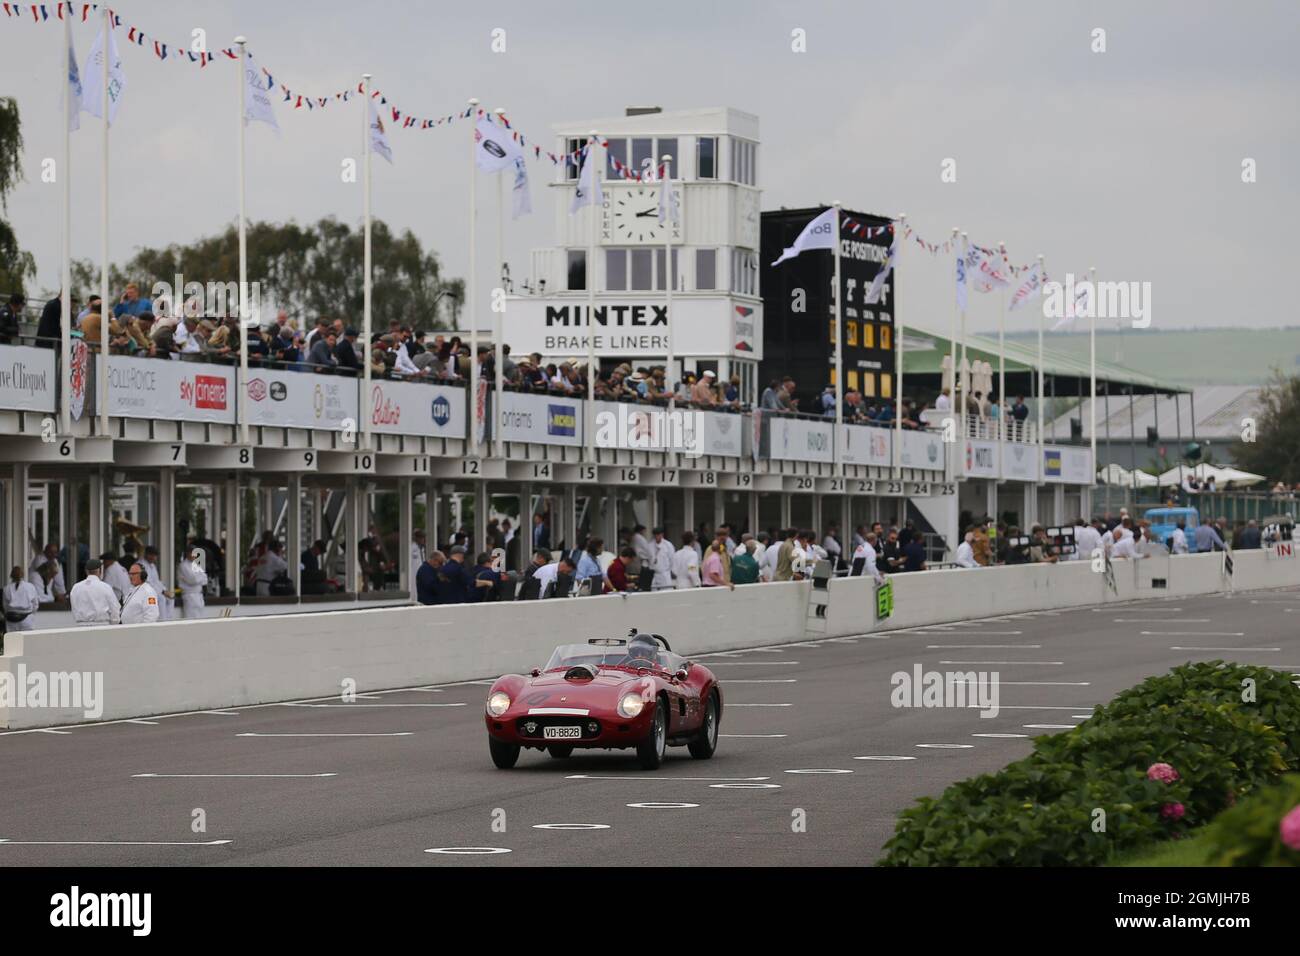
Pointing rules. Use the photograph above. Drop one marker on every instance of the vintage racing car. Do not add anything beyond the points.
(610, 693)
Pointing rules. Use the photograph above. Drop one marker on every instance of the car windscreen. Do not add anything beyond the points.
(597, 655)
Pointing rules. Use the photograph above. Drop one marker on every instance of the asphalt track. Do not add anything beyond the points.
(277, 784)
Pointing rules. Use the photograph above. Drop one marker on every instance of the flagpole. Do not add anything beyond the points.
(499, 355)
(590, 425)
(839, 351)
(1092, 372)
(243, 256)
(952, 339)
(104, 315)
(65, 297)
(1042, 277)
(964, 368)
(669, 277)
(367, 317)
(471, 292)
(896, 451)
(1002, 359)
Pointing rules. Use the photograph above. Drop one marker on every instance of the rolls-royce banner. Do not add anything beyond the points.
(416, 408)
(635, 325)
(302, 400)
(27, 378)
(981, 459)
(543, 419)
(1067, 464)
(800, 439)
(1018, 461)
(161, 388)
(865, 445)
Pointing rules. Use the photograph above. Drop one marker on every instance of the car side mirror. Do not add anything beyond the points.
(535, 672)
(681, 674)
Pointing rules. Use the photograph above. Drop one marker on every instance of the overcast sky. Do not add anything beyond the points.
(1129, 160)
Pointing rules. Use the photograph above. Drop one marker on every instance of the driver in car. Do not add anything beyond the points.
(642, 651)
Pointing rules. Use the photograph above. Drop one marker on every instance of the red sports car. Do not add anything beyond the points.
(609, 693)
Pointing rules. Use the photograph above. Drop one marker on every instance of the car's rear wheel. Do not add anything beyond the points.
(651, 750)
(504, 755)
(706, 741)
(560, 751)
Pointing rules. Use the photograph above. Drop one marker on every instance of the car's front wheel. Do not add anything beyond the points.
(651, 750)
(706, 741)
(560, 751)
(504, 755)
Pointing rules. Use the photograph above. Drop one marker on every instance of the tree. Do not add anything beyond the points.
(1275, 452)
(16, 266)
(308, 271)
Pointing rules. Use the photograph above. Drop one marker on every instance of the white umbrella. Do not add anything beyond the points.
(1114, 474)
(1224, 475)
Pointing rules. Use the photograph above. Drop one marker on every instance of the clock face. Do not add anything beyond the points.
(633, 216)
(748, 218)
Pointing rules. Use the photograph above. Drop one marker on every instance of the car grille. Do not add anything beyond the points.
(533, 726)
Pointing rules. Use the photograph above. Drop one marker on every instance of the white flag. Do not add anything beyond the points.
(257, 95)
(818, 234)
(1031, 285)
(984, 271)
(873, 294)
(961, 281)
(494, 147)
(74, 89)
(378, 139)
(523, 200)
(669, 202)
(93, 88)
(588, 190)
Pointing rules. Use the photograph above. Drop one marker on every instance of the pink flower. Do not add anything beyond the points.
(1290, 829)
(1162, 772)
(1173, 811)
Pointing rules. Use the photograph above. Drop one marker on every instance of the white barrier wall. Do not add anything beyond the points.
(200, 665)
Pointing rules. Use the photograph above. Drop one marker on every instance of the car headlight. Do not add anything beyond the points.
(498, 703)
(630, 705)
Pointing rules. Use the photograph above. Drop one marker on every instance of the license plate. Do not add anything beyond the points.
(562, 733)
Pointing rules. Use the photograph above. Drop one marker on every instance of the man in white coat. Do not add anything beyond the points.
(190, 580)
(141, 604)
(93, 601)
(154, 577)
(662, 562)
(269, 567)
(115, 575)
(867, 552)
(686, 563)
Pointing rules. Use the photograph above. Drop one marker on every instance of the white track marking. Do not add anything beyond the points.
(759, 663)
(233, 776)
(765, 680)
(640, 778)
(1192, 633)
(983, 647)
(1050, 726)
(399, 734)
(570, 826)
(223, 713)
(946, 746)
(111, 843)
(468, 850)
(884, 757)
(817, 771)
(1158, 620)
(1002, 735)
(1261, 649)
(359, 706)
(1044, 683)
(744, 786)
(652, 805)
(764, 736)
(147, 723)
(1009, 663)
(759, 705)
(1036, 706)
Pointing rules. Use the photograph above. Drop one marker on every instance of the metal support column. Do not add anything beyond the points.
(234, 549)
(352, 504)
(293, 545)
(165, 531)
(405, 534)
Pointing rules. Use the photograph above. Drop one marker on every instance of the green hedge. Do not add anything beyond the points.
(1042, 810)
(1251, 833)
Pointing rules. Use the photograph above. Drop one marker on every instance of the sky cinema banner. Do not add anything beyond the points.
(635, 325)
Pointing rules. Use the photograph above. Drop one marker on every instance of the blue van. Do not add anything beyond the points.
(1165, 520)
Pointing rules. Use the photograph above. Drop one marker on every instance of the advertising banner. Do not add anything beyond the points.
(981, 459)
(543, 419)
(291, 399)
(1068, 464)
(866, 445)
(922, 450)
(417, 408)
(162, 388)
(800, 439)
(1019, 461)
(27, 378)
